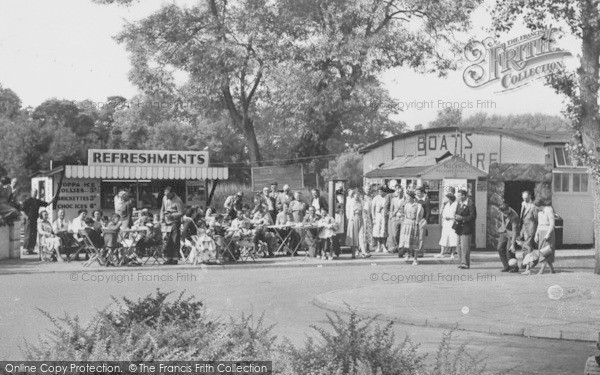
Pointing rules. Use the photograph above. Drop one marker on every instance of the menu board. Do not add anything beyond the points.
(292, 175)
(76, 194)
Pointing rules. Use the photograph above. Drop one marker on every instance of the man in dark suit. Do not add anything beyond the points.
(318, 202)
(464, 227)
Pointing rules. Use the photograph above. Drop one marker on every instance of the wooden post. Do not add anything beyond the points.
(212, 192)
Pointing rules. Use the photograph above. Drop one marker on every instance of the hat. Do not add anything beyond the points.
(240, 194)
(411, 194)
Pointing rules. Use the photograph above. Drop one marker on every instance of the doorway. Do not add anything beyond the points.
(513, 191)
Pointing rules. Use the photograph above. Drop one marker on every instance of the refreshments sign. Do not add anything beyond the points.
(138, 158)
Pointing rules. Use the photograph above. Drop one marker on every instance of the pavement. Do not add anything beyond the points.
(563, 306)
(31, 263)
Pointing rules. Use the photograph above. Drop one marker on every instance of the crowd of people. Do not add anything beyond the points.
(380, 218)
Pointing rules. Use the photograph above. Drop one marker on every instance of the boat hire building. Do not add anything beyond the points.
(492, 164)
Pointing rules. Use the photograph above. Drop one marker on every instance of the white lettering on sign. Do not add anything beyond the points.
(77, 194)
(148, 158)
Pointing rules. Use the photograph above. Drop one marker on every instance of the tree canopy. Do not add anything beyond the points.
(303, 71)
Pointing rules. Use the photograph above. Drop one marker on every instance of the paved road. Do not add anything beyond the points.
(285, 294)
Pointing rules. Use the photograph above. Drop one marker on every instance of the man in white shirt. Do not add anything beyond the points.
(79, 222)
(284, 198)
(61, 224)
(396, 216)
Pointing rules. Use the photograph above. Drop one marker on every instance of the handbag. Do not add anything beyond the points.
(545, 250)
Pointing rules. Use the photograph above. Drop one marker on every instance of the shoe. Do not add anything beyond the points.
(505, 270)
(463, 267)
(330, 258)
(353, 256)
(367, 255)
(513, 270)
(415, 263)
(526, 273)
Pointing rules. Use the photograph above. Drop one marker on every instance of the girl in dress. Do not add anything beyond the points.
(449, 238)
(379, 213)
(328, 227)
(409, 235)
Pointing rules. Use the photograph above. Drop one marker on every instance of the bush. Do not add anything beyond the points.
(154, 329)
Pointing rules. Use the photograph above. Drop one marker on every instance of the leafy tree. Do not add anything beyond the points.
(447, 117)
(10, 103)
(346, 167)
(309, 66)
(532, 121)
(332, 84)
(582, 19)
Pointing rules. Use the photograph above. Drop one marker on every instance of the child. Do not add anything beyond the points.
(328, 227)
(339, 230)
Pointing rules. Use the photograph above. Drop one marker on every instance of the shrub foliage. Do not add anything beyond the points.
(155, 328)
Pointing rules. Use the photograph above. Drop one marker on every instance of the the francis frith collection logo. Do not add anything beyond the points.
(514, 63)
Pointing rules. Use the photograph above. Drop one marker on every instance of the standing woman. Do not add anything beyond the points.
(409, 235)
(544, 234)
(449, 238)
(368, 218)
(355, 225)
(379, 213)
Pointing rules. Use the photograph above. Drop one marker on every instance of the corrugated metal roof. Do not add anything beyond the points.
(146, 173)
(395, 172)
(535, 136)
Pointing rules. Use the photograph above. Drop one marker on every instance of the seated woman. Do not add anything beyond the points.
(261, 219)
(311, 237)
(50, 243)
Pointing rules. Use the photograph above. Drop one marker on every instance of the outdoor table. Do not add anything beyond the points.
(129, 239)
(278, 229)
(303, 230)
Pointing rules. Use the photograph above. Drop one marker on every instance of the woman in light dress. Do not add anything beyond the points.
(368, 217)
(355, 236)
(50, 243)
(449, 238)
(379, 213)
(544, 234)
(409, 234)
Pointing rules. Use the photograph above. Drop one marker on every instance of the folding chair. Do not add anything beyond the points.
(247, 249)
(81, 247)
(185, 250)
(78, 247)
(155, 252)
(97, 254)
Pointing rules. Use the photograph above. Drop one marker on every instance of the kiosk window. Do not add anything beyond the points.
(560, 157)
(561, 182)
(580, 182)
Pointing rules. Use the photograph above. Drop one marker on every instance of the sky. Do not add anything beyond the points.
(65, 49)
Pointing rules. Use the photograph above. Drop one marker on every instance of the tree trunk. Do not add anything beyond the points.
(589, 123)
(253, 148)
(595, 184)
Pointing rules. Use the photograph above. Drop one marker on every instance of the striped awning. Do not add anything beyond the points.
(146, 173)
